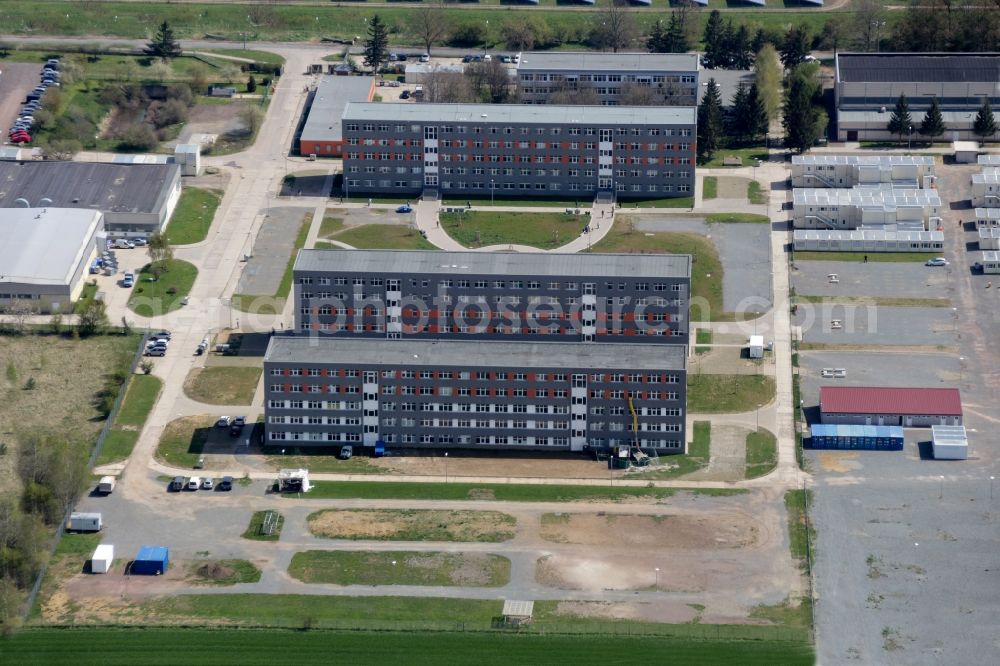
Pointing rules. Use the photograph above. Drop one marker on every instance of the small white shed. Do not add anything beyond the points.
(966, 152)
(756, 346)
(990, 263)
(949, 442)
(100, 561)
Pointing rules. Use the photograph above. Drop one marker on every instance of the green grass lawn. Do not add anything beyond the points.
(709, 187)
(413, 525)
(223, 384)
(706, 268)
(480, 491)
(703, 337)
(203, 647)
(118, 445)
(736, 218)
(718, 394)
(86, 296)
(860, 256)
(748, 155)
(380, 237)
(330, 225)
(762, 453)
(224, 572)
(883, 301)
(254, 530)
(139, 400)
(342, 567)
(696, 458)
(756, 194)
(670, 202)
(480, 201)
(193, 215)
(183, 440)
(150, 299)
(320, 459)
(252, 54)
(800, 539)
(542, 230)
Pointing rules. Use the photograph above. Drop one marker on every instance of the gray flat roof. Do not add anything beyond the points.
(867, 235)
(452, 353)
(867, 160)
(523, 114)
(332, 95)
(44, 246)
(117, 188)
(496, 263)
(918, 67)
(886, 197)
(587, 62)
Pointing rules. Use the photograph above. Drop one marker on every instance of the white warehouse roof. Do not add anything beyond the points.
(886, 197)
(988, 213)
(866, 160)
(44, 245)
(989, 160)
(905, 236)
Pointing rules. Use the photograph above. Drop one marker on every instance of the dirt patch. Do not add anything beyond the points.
(416, 525)
(732, 187)
(838, 461)
(215, 571)
(673, 612)
(489, 464)
(678, 531)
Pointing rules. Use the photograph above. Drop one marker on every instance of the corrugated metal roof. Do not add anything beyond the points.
(332, 95)
(866, 160)
(887, 235)
(887, 400)
(918, 67)
(478, 353)
(496, 263)
(586, 62)
(884, 195)
(989, 160)
(45, 246)
(988, 213)
(544, 114)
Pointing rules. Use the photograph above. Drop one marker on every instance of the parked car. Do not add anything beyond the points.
(467, 58)
(405, 208)
(200, 463)
(165, 335)
(346, 452)
(240, 421)
(223, 422)
(425, 57)
(128, 280)
(404, 95)
(177, 484)
(937, 261)
(194, 483)
(156, 351)
(506, 59)
(235, 430)
(226, 483)
(139, 242)
(207, 483)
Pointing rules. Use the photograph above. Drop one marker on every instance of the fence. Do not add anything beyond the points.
(33, 594)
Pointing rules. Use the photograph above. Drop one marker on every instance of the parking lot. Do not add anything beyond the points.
(16, 81)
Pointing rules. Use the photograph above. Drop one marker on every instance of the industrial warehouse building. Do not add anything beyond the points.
(477, 150)
(867, 240)
(909, 171)
(44, 255)
(907, 407)
(986, 188)
(867, 86)
(487, 295)
(135, 199)
(828, 208)
(672, 77)
(321, 135)
(554, 396)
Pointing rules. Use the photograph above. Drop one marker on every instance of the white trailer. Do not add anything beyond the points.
(106, 485)
(84, 522)
(949, 442)
(756, 346)
(100, 561)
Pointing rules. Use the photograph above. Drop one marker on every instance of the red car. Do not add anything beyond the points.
(20, 137)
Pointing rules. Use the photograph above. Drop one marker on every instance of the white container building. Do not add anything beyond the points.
(989, 160)
(188, 157)
(986, 188)
(949, 442)
(912, 171)
(826, 208)
(103, 557)
(990, 262)
(756, 346)
(989, 238)
(867, 240)
(85, 522)
(987, 217)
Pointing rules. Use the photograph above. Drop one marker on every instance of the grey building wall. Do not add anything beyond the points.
(463, 406)
(476, 158)
(492, 307)
(668, 88)
(907, 420)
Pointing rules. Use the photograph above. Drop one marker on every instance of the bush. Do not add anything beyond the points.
(137, 137)
(146, 366)
(467, 34)
(181, 92)
(171, 112)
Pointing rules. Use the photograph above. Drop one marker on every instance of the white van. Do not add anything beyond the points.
(194, 483)
(123, 244)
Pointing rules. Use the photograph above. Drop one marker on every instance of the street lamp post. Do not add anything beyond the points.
(446, 467)
(757, 419)
(991, 488)
(941, 490)
(657, 577)
(493, 189)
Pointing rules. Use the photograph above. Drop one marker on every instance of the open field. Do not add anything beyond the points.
(139, 400)
(703, 337)
(193, 215)
(55, 404)
(320, 459)
(736, 218)
(342, 567)
(412, 525)
(255, 532)
(538, 202)
(183, 440)
(706, 268)
(638, 531)
(154, 295)
(755, 194)
(202, 647)
(717, 394)
(748, 155)
(377, 237)
(223, 384)
(542, 230)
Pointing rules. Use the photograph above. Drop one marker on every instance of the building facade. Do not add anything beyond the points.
(884, 406)
(517, 150)
(986, 188)
(391, 294)
(868, 170)
(826, 208)
(665, 79)
(867, 240)
(468, 394)
(321, 134)
(867, 86)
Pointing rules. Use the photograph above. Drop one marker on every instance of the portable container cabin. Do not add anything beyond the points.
(85, 522)
(949, 442)
(151, 561)
(856, 437)
(756, 346)
(100, 561)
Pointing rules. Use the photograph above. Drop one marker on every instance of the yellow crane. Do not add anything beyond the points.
(641, 458)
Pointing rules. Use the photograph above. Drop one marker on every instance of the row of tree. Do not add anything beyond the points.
(932, 126)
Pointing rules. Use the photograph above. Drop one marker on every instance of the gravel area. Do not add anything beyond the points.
(869, 325)
(890, 279)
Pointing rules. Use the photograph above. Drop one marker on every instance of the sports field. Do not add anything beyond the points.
(194, 647)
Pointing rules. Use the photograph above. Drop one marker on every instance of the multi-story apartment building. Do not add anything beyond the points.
(615, 78)
(493, 296)
(480, 150)
(469, 394)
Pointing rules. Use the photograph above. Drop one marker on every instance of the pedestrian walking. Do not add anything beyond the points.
(866, 258)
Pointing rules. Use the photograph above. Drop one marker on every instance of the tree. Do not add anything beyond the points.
(656, 42)
(613, 28)
(869, 20)
(673, 38)
(489, 80)
(377, 45)
(900, 122)
(738, 120)
(447, 87)
(932, 125)
(757, 114)
(163, 44)
(93, 318)
(251, 117)
(801, 119)
(430, 24)
(795, 47)
(740, 55)
(252, 84)
(633, 94)
(582, 96)
(61, 150)
(525, 32)
(767, 76)
(709, 121)
(985, 125)
(714, 40)
(159, 248)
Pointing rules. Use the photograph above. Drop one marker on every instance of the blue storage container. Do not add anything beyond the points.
(151, 561)
(855, 437)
